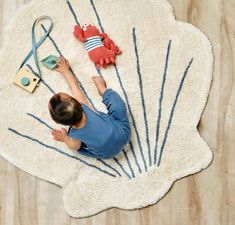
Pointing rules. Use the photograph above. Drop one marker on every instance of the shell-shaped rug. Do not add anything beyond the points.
(164, 76)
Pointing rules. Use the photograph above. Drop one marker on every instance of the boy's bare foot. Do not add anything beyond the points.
(100, 84)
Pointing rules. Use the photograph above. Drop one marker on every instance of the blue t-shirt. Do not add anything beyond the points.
(102, 136)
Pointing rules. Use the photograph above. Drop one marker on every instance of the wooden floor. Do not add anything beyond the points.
(207, 198)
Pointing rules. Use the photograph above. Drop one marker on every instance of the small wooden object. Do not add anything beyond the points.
(26, 80)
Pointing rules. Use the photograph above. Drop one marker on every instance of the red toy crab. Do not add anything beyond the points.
(101, 49)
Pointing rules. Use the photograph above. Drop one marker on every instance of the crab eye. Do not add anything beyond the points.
(85, 25)
(92, 24)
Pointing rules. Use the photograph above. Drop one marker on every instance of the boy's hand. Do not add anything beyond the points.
(63, 66)
(59, 135)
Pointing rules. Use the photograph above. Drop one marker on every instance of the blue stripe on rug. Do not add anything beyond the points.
(52, 40)
(160, 100)
(116, 160)
(172, 110)
(141, 93)
(134, 123)
(134, 155)
(61, 152)
(98, 71)
(73, 12)
(106, 164)
(97, 15)
(128, 162)
(40, 120)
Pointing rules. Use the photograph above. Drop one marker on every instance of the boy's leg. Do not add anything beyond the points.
(115, 105)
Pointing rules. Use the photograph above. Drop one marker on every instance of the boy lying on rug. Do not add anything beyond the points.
(93, 133)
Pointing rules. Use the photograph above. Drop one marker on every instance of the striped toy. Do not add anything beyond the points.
(101, 49)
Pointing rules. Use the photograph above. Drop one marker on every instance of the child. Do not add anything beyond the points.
(91, 132)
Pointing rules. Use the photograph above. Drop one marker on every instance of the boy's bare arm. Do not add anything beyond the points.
(72, 143)
(74, 86)
(64, 69)
(62, 136)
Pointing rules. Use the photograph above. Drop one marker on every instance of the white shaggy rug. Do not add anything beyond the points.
(164, 76)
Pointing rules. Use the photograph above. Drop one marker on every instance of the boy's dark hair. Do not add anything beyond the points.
(65, 111)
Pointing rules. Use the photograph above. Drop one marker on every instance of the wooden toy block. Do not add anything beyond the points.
(26, 80)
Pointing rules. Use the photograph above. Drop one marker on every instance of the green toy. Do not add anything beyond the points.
(50, 62)
(25, 81)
